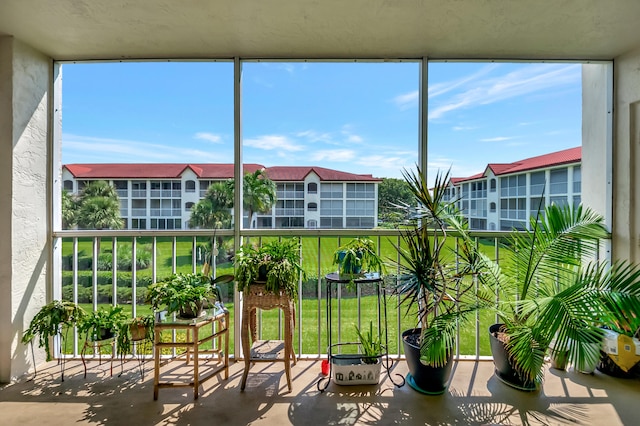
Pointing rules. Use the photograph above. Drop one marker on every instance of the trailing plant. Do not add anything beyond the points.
(97, 323)
(370, 344)
(125, 337)
(277, 264)
(357, 256)
(50, 320)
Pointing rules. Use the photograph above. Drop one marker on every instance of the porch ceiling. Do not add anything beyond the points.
(515, 29)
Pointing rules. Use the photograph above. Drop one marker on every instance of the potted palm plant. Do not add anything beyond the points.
(436, 281)
(555, 296)
(276, 265)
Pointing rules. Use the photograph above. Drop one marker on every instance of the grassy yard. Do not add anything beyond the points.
(312, 251)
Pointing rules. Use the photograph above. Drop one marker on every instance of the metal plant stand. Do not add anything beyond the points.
(333, 281)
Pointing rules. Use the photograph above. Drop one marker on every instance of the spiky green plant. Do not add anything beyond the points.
(438, 282)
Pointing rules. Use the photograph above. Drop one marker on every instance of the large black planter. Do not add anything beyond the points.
(425, 378)
(504, 369)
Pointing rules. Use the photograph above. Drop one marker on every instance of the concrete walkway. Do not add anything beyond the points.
(475, 397)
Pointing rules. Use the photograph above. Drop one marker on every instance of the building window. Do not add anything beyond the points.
(331, 190)
(290, 191)
(312, 207)
(139, 189)
(188, 206)
(139, 208)
(68, 185)
(311, 223)
(536, 186)
(492, 207)
(138, 223)
(493, 187)
(559, 181)
(513, 186)
(361, 190)
(577, 180)
(312, 188)
(190, 186)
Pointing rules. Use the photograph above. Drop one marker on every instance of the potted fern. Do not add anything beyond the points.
(276, 265)
(50, 320)
(103, 323)
(185, 294)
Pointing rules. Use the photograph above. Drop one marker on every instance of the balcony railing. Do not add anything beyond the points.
(155, 255)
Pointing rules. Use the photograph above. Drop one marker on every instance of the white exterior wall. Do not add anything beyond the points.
(25, 87)
(311, 198)
(626, 158)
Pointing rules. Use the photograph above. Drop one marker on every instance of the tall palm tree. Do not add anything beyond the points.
(259, 193)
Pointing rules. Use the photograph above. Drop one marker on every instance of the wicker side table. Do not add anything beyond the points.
(256, 297)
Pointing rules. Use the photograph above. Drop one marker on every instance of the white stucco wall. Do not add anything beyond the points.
(25, 77)
(626, 157)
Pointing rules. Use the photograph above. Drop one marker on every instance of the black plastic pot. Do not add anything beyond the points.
(504, 368)
(425, 378)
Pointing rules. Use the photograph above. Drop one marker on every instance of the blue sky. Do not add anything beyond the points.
(356, 117)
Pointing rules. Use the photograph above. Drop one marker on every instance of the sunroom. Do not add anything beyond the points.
(37, 36)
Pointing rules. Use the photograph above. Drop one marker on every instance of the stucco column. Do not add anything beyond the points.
(626, 157)
(25, 82)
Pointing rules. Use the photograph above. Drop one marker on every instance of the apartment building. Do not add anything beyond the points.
(161, 196)
(505, 196)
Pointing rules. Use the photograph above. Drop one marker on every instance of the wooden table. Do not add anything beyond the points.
(196, 335)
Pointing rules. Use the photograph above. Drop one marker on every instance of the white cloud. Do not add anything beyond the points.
(208, 137)
(337, 155)
(313, 136)
(497, 139)
(84, 149)
(407, 100)
(273, 142)
(525, 81)
(463, 128)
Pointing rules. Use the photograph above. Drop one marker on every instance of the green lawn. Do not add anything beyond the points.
(309, 311)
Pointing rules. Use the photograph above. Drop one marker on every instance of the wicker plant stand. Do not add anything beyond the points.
(266, 350)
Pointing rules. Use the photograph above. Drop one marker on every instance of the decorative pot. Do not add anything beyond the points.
(505, 371)
(347, 267)
(421, 377)
(350, 369)
(588, 366)
(188, 312)
(138, 332)
(559, 360)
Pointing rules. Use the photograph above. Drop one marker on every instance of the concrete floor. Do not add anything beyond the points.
(475, 397)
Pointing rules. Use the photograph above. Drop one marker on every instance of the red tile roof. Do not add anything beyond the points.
(298, 173)
(204, 171)
(567, 156)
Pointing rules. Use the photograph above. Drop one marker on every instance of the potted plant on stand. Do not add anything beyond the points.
(555, 295)
(102, 324)
(276, 265)
(49, 322)
(357, 256)
(364, 367)
(185, 294)
(135, 330)
(436, 281)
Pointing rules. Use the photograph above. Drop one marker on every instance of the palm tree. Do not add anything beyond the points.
(259, 194)
(69, 210)
(213, 212)
(99, 207)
